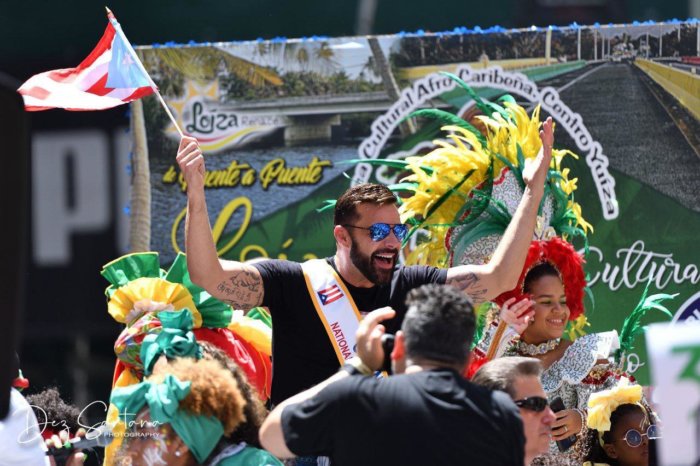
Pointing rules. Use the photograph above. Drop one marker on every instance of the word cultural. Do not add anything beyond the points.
(243, 174)
(636, 265)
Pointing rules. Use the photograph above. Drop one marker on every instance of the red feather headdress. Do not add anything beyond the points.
(569, 264)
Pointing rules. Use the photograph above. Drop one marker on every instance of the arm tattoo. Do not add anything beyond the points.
(469, 283)
(242, 290)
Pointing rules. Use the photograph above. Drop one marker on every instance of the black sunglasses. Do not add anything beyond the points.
(533, 403)
(379, 231)
(634, 438)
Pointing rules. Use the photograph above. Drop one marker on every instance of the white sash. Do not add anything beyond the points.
(334, 306)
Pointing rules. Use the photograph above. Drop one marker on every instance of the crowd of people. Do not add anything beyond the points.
(477, 369)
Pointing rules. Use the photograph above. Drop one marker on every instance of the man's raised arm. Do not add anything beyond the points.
(485, 282)
(235, 283)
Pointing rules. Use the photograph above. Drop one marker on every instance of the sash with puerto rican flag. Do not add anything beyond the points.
(334, 305)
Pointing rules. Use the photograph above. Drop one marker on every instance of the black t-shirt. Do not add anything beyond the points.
(432, 417)
(302, 353)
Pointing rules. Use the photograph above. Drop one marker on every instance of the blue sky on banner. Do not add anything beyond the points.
(124, 72)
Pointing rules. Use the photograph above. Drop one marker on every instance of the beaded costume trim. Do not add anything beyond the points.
(527, 349)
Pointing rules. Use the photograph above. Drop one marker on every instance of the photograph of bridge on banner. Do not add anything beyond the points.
(278, 119)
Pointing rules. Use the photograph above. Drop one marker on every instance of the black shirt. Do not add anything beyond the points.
(432, 417)
(302, 353)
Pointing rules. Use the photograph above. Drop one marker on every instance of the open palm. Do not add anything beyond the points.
(535, 171)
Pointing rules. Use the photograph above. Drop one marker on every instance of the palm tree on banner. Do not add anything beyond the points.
(325, 59)
(201, 64)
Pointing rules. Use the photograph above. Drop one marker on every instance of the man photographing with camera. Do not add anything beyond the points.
(425, 414)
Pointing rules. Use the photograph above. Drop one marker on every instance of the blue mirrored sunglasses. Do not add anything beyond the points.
(379, 231)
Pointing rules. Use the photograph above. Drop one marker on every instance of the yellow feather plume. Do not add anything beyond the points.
(461, 153)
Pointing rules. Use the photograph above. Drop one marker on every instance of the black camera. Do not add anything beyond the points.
(388, 347)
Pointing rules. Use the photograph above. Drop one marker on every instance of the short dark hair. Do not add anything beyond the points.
(439, 324)
(369, 193)
(500, 374)
(543, 269)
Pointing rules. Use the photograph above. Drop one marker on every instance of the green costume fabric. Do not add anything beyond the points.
(175, 339)
(250, 456)
(200, 433)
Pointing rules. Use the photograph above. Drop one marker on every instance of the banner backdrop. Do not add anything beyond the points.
(276, 119)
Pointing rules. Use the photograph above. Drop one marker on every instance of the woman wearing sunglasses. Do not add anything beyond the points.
(622, 428)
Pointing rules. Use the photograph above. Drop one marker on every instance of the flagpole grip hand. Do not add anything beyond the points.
(369, 337)
(191, 162)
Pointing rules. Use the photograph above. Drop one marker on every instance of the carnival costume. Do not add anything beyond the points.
(200, 433)
(465, 193)
(166, 314)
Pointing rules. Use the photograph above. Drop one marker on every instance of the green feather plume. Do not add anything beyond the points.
(439, 202)
(481, 311)
(392, 163)
(449, 119)
(486, 107)
(632, 325)
(327, 204)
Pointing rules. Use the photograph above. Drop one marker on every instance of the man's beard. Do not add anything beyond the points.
(364, 264)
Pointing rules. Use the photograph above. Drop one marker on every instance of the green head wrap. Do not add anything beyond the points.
(175, 339)
(200, 433)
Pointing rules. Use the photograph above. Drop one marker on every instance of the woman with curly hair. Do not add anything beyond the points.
(254, 410)
(622, 428)
(185, 414)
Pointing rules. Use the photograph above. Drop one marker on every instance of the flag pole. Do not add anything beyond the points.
(132, 52)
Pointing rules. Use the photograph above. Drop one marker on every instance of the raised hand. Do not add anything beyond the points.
(535, 171)
(369, 337)
(519, 315)
(61, 451)
(191, 162)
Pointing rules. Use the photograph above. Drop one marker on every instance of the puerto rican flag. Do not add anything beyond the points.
(111, 75)
(330, 295)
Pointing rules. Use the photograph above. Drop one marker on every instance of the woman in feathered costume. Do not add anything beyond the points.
(464, 193)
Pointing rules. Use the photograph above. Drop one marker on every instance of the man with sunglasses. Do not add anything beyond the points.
(424, 414)
(520, 378)
(309, 342)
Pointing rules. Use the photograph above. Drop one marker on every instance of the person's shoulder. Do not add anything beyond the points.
(355, 385)
(421, 274)
(481, 393)
(351, 394)
(276, 267)
(491, 400)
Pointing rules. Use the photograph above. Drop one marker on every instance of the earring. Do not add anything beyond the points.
(178, 453)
